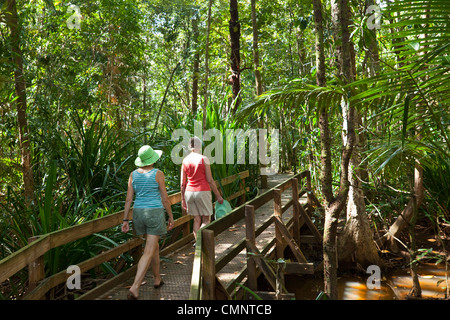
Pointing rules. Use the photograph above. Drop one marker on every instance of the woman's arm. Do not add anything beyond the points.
(183, 187)
(128, 202)
(210, 180)
(164, 197)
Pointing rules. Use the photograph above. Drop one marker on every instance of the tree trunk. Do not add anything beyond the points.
(320, 55)
(416, 290)
(196, 72)
(356, 244)
(258, 79)
(12, 20)
(405, 217)
(235, 34)
(256, 50)
(334, 205)
(206, 95)
(372, 47)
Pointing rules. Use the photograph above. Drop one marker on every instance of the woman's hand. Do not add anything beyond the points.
(220, 199)
(125, 227)
(184, 205)
(170, 223)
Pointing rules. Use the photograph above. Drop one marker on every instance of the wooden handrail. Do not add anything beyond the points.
(31, 252)
(219, 225)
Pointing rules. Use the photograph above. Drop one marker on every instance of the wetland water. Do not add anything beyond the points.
(394, 286)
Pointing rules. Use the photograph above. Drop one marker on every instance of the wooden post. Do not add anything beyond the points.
(296, 211)
(280, 279)
(36, 270)
(208, 265)
(278, 213)
(250, 240)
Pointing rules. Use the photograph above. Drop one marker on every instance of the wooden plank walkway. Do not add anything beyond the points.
(176, 268)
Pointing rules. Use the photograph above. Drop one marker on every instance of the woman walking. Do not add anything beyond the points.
(196, 192)
(149, 220)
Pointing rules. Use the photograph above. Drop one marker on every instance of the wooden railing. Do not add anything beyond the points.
(32, 255)
(204, 283)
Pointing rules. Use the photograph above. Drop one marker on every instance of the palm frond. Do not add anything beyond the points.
(418, 34)
(294, 94)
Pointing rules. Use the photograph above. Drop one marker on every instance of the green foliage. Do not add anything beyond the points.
(94, 93)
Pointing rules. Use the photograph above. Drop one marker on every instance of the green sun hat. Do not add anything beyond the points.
(147, 156)
(222, 209)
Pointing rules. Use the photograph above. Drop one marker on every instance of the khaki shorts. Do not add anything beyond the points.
(199, 203)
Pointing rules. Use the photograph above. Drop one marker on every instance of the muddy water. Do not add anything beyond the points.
(394, 286)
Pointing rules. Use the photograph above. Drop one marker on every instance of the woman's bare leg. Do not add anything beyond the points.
(196, 226)
(150, 249)
(155, 266)
(205, 220)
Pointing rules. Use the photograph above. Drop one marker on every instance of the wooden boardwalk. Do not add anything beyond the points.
(177, 267)
(214, 269)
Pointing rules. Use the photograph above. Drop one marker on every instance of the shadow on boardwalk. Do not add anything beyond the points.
(176, 268)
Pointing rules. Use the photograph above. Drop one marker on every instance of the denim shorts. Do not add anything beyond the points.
(149, 221)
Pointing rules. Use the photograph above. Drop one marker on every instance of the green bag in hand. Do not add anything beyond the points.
(222, 209)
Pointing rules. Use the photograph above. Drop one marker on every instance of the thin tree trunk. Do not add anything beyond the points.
(235, 34)
(206, 95)
(195, 71)
(162, 101)
(416, 290)
(258, 79)
(405, 217)
(12, 20)
(325, 134)
(372, 47)
(333, 206)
